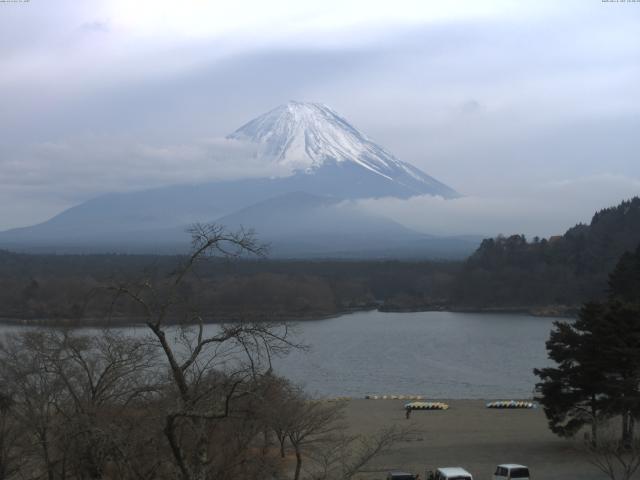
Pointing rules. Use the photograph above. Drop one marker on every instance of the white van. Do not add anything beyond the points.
(508, 471)
(450, 473)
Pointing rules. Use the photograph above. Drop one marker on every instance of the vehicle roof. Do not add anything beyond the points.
(511, 465)
(453, 471)
(399, 472)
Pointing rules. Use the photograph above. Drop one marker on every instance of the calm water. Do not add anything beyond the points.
(437, 354)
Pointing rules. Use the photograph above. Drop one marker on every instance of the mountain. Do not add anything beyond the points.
(327, 158)
(302, 225)
(295, 225)
(310, 137)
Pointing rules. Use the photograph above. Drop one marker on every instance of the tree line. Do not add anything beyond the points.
(72, 289)
(565, 270)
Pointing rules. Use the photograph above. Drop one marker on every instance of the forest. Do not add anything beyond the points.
(544, 276)
(562, 271)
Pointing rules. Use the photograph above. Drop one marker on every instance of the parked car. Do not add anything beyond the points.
(449, 473)
(508, 471)
(399, 475)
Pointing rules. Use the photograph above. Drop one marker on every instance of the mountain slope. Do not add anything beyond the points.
(299, 224)
(327, 158)
(308, 137)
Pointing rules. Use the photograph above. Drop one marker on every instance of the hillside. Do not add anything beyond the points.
(564, 270)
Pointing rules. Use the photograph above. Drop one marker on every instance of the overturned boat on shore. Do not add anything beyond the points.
(426, 406)
(511, 404)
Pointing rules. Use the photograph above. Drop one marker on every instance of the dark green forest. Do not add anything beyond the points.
(511, 273)
(562, 271)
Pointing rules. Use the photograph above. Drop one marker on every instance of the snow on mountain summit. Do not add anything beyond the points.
(306, 137)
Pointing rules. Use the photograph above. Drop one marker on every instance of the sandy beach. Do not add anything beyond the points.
(471, 436)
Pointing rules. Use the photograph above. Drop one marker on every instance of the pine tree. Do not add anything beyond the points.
(598, 360)
(619, 335)
(574, 393)
(624, 281)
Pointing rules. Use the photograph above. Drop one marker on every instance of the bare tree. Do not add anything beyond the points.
(74, 393)
(11, 437)
(348, 455)
(37, 394)
(103, 376)
(313, 422)
(209, 371)
(316, 432)
(279, 398)
(617, 459)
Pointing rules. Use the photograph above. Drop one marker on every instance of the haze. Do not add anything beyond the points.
(529, 109)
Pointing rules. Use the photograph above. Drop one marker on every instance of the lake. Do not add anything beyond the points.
(435, 354)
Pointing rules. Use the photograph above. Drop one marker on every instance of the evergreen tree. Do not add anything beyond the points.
(624, 281)
(574, 392)
(598, 360)
(618, 333)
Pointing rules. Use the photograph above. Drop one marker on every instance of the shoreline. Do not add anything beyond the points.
(551, 311)
(425, 398)
(548, 311)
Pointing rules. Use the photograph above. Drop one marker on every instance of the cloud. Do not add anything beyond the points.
(100, 26)
(470, 107)
(57, 175)
(98, 164)
(488, 97)
(544, 210)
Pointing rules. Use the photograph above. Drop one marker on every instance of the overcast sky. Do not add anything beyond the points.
(531, 109)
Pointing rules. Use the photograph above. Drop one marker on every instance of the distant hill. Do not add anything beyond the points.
(294, 225)
(301, 225)
(562, 270)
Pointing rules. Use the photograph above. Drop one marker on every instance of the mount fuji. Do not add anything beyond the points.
(311, 139)
(306, 212)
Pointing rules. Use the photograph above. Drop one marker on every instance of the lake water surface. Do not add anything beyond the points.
(436, 354)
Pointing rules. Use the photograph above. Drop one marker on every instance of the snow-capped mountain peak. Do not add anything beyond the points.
(305, 137)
